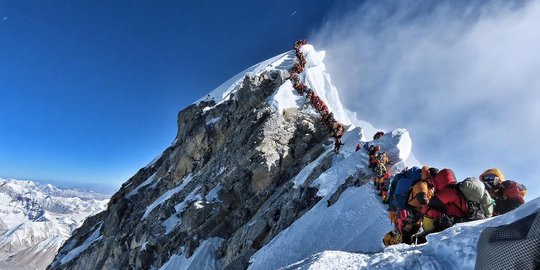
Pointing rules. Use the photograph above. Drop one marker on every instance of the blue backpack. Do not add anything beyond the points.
(405, 181)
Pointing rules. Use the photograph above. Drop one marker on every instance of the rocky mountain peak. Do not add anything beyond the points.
(246, 163)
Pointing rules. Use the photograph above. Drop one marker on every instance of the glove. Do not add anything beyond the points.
(445, 221)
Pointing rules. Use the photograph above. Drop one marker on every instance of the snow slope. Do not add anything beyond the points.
(357, 221)
(344, 235)
(36, 219)
(348, 234)
(454, 248)
(227, 89)
(204, 257)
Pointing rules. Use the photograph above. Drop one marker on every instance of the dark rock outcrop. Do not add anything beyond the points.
(226, 175)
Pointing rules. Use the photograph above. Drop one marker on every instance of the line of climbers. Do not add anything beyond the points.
(378, 162)
(421, 200)
(335, 128)
(426, 200)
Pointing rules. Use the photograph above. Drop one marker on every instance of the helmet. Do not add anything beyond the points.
(492, 177)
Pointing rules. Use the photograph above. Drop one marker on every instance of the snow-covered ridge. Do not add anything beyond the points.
(454, 248)
(36, 219)
(252, 182)
(226, 90)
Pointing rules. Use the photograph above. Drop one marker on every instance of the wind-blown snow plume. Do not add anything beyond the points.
(462, 77)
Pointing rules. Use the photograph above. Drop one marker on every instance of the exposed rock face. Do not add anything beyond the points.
(225, 177)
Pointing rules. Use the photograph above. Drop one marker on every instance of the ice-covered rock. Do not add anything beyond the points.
(251, 167)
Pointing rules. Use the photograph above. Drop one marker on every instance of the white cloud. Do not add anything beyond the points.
(465, 80)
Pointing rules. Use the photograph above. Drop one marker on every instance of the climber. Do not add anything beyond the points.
(302, 60)
(372, 154)
(331, 120)
(337, 145)
(392, 238)
(508, 194)
(384, 186)
(314, 100)
(299, 44)
(296, 84)
(324, 108)
(341, 130)
(310, 95)
(297, 68)
(333, 128)
(373, 149)
(326, 117)
(337, 130)
(478, 199)
(422, 190)
(300, 87)
(317, 104)
(419, 196)
(378, 135)
(406, 226)
(379, 170)
(446, 207)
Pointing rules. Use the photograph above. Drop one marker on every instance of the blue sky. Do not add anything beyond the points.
(90, 90)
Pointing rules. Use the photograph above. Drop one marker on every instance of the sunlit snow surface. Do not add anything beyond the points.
(454, 248)
(36, 219)
(224, 92)
(95, 236)
(348, 234)
(204, 257)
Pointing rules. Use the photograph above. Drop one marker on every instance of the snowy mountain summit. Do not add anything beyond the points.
(252, 181)
(36, 219)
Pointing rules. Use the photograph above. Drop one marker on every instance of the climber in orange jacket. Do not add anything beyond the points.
(422, 191)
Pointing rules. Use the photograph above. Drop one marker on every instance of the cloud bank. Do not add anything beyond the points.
(463, 78)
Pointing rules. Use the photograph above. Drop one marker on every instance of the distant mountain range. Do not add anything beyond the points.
(36, 219)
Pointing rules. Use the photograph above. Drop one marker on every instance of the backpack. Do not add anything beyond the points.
(379, 168)
(478, 199)
(514, 190)
(406, 180)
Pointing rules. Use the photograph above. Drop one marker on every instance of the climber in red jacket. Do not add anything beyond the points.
(446, 207)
